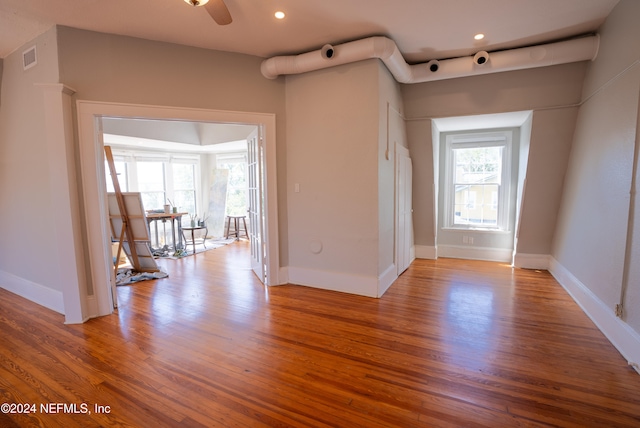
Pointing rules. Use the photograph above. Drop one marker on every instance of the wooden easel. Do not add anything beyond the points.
(136, 245)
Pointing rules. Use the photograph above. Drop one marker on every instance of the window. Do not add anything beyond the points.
(152, 185)
(123, 175)
(160, 178)
(237, 185)
(477, 180)
(184, 186)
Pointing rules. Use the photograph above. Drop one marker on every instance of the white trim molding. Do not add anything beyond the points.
(89, 114)
(361, 285)
(425, 252)
(532, 261)
(342, 282)
(37, 293)
(620, 334)
(476, 253)
(65, 214)
(387, 278)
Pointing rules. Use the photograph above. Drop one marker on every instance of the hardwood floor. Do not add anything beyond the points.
(453, 343)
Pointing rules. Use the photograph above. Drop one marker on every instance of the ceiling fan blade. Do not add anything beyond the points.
(218, 11)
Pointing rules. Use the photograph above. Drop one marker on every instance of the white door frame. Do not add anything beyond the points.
(99, 296)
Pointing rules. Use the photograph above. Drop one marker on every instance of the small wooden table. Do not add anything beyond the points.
(193, 238)
(173, 218)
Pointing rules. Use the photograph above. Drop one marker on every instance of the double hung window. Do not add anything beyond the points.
(123, 175)
(237, 187)
(160, 178)
(152, 184)
(478, 177)
(184, 186)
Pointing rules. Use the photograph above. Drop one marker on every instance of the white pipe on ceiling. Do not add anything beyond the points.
(574, 50)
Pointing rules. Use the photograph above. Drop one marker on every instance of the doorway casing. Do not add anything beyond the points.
(98, 294)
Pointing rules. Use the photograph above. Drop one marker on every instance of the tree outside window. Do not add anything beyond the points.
(237, 186)
(478, 174)
(184, 187)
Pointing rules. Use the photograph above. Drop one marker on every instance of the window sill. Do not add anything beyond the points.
(476, 229)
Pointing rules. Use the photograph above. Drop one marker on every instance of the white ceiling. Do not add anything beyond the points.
(422, 29)
(176, 135)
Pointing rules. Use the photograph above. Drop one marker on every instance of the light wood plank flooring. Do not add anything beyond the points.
(453, 343)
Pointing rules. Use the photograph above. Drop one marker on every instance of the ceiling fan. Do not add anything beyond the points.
(216, 8)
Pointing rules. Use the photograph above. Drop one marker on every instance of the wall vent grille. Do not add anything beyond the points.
(29, 58)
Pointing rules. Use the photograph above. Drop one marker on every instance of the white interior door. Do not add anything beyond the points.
(404, 209)
(256, 215)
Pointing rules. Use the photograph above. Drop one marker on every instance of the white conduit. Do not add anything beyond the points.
(581, 49)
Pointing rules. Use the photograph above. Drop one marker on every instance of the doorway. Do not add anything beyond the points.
(99, 298)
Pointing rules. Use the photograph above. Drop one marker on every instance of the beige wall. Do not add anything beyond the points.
(107, 67)
(595, 219)
(391, 131)
(340, 123)
(332, 156)
(550, 91)
(548, 157)
(111, 68)
(28, 253)
(1, 69)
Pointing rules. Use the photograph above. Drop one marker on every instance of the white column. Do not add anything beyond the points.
(65, 215)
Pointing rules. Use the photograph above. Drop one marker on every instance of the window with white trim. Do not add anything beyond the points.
(161, 178)
(151, 184)
(237, 194)
(184, 185)
(478, 177)
(121, 171)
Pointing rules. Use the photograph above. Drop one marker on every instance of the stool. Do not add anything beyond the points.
(236, 226)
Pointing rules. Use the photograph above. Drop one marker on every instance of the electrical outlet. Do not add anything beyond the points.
(465, 239)
(471, 240)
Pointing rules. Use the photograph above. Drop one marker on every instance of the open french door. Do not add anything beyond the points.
(256, 214)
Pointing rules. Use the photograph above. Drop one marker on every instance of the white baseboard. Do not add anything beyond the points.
(475, 253)
(620, 334)
(425, 252)
(283, 276)
(335, 281)
(387, 278)
(37, 293)
(532, 261)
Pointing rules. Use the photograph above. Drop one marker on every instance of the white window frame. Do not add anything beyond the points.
(132, 157)
(479, 139)
(188, 160)
(122, 181)
(235, 157)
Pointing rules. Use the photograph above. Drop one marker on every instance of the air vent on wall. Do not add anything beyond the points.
(29, 58)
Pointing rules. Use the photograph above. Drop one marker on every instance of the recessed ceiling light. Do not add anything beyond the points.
(197, 2)
(479, 36)
(279, 14)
